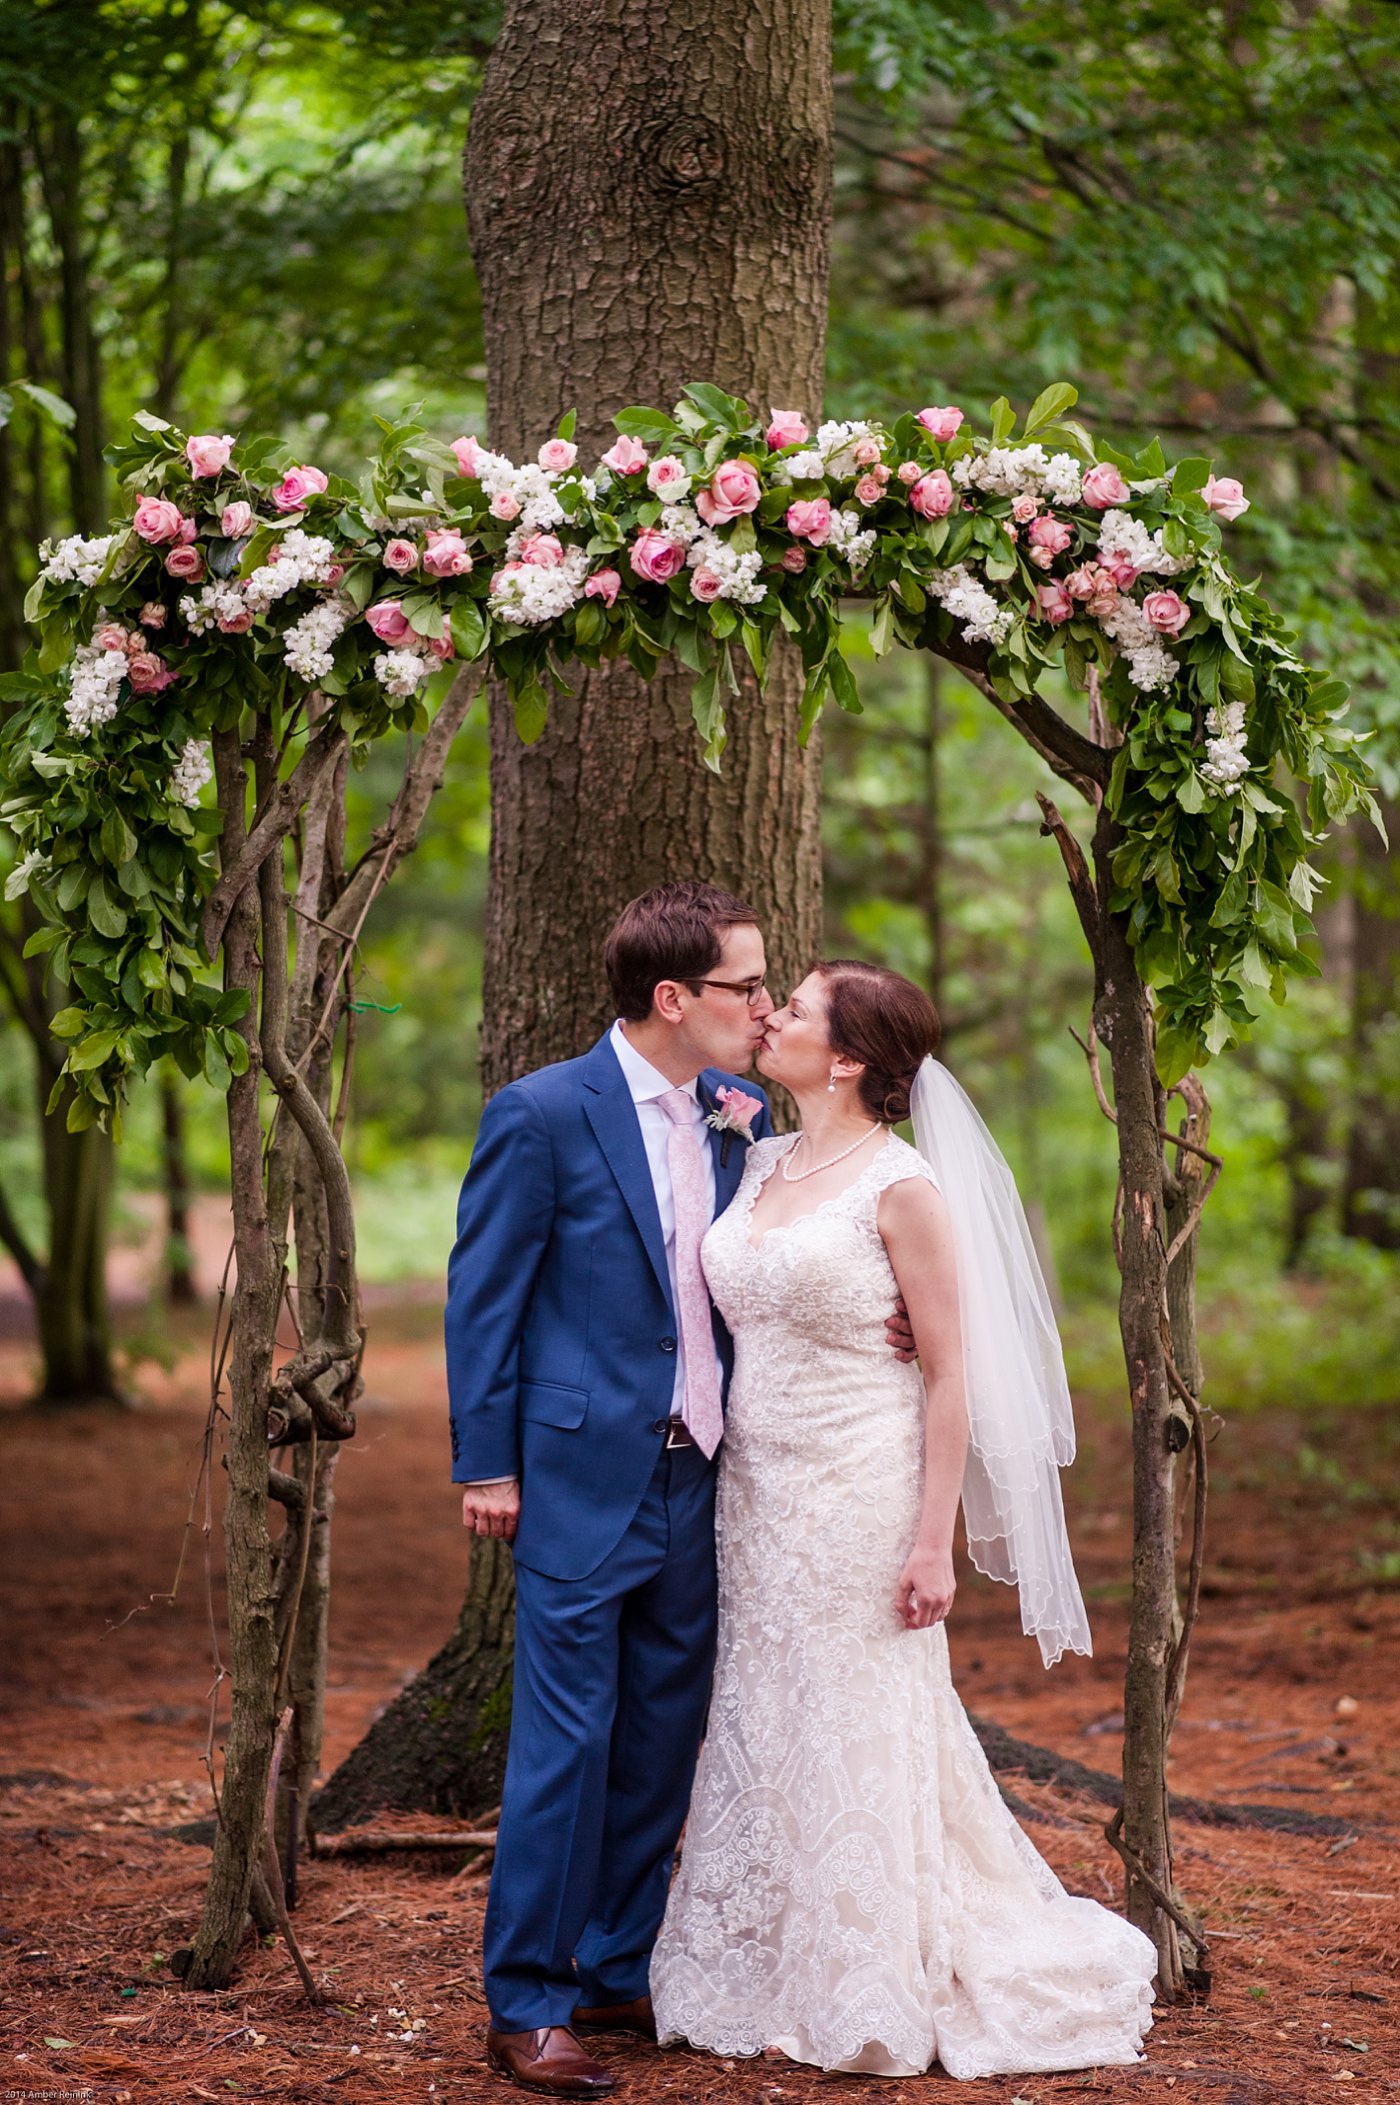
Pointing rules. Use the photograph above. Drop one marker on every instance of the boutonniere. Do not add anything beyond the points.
(734, 1112)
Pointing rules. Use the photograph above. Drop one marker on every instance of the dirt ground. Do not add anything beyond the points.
(1293, 1701)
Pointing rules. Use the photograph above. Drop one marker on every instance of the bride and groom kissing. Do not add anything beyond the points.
(723, 1392)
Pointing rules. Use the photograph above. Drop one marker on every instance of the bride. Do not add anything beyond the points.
(853, 1892)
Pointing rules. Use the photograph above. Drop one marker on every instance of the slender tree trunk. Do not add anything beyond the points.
(649, 195)
(934, 846)
(180, 1286)
(1371, 1194)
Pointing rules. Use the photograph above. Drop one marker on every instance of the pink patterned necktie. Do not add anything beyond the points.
(701, 1409)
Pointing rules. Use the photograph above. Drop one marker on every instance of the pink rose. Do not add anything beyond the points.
(788, 428)
(237, 521)
(1083, 583)
(295, 487)
(188, 530)
(1104, 486)
(153, 615)
(909, 471)
(468, 452)
(504, 506)
(737, 1111)
(810, 519)
(208, 455)
(668, 478)
(442, 647)
(940, 424)
(148, 674)
(1051, 534)
(705, 585)
(557, 455)
(447, 554)
(1024, 508)
(932, 495)
(187, 563)
(794, 558)
(655, 556)
(734, 489)
(1011, 529)
(1226, 496)
(389, 622)
(236, 624)
(1055, 603)
(604, 585)
(625, 457)
(867, 452)
(113, 637)
(545, 551)
(157, 520)
(401, 556)
(1104, 602)
(1167, 612)
(1122, 572)
(869, 490)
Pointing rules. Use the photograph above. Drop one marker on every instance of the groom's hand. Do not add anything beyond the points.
(492, 1509)
(899, 1332)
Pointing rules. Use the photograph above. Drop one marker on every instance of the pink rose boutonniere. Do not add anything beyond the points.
(734, 1112)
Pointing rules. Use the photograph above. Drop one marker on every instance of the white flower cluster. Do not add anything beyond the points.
(76, 561)
(307, 644)
(190, 773)
(847, 537)
(302, 559)
(92, 687)
(969, 601)
(1226, 763)
(532, 487)
(802, 467)
(1123, 536)
(1150, 663)
(1063, 481)
(836, 444)
(538, 592)
(738, 574)
(217, 602)
(17, 883)
(1003, 471)
(401, 672)
(682, 522)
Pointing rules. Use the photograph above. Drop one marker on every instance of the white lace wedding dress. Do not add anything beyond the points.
(852, 1889)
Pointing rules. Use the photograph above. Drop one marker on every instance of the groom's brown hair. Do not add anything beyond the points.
(674, 931)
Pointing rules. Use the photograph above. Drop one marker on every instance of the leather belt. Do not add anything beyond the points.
(678, 1434)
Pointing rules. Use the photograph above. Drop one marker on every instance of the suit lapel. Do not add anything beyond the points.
(612, 1114)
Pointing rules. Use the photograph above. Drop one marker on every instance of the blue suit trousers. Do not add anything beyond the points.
(612, 1681)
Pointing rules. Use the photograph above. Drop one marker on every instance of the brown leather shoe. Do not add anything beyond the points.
(550, 2060)
(636, 2016)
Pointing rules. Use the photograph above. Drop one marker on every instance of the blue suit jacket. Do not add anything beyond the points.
(560, 1328)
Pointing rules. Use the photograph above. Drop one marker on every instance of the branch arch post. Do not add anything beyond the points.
(292, 619)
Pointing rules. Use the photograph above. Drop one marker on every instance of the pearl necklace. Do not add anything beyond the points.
(789, 1178)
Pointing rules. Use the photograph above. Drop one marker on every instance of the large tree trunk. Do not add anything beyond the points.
(649, 195)
(1371, 1196)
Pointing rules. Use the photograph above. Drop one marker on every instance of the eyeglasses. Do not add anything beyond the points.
(752, 989)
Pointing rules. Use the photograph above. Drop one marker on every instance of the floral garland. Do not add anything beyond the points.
(239, 577)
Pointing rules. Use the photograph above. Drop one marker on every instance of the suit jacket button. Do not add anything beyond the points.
(660, 1425)
(668, 1344)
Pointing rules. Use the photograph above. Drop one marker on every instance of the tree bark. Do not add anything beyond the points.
(649, 198)
(180, 1287)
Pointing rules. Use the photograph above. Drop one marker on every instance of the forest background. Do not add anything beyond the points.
(250, 218)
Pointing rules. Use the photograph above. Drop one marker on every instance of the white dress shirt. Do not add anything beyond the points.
(647, 1084)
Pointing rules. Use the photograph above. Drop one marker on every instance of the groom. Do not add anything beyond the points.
(586, 1369)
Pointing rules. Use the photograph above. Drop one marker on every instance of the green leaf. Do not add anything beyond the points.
(1003, 421)
(1190, 475)
(95, 1048)
(118, 841)
(216, 1068)
(642, 423)
(469, 631)
(568, 424)
(843, 685)
(51, 2039)
(531, 706)
(69, 1023)
(103, 912)
(721, 408)
(1176, 1054)
(1049, 404)
(43, 939)
(882, 627)
(53, 406)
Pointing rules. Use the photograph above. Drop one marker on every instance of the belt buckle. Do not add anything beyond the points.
(677, 1434)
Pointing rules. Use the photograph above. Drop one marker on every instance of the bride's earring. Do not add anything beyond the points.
(831, 1085)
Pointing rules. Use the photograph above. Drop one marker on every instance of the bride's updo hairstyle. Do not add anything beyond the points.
(887, 1023)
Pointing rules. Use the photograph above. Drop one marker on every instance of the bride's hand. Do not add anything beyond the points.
(926, 1587)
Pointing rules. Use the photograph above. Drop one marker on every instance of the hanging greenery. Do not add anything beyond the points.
(239, 579)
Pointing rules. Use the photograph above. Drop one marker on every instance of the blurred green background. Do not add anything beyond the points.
(250, 218)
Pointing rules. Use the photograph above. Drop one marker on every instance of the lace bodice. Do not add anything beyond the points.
(852, 1888)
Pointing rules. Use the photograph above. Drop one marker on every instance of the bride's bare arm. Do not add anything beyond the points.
(917, 1234)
